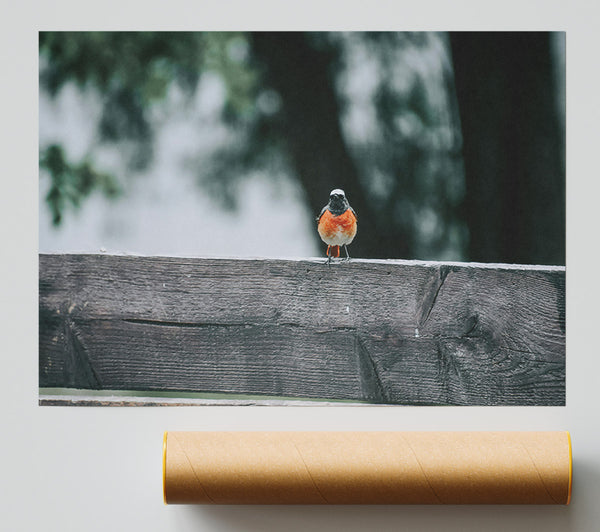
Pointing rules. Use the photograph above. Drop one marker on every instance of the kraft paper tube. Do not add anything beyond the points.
(367, 467)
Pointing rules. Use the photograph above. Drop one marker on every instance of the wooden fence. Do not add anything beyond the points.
(386, 332)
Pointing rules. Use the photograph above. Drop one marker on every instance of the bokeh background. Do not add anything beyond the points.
(450, 146)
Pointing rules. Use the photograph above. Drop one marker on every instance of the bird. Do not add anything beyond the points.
(337, 224)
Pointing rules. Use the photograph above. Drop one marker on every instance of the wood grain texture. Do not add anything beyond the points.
(388, 332)
(96, 400)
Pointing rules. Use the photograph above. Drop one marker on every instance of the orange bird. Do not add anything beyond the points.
(337, 224)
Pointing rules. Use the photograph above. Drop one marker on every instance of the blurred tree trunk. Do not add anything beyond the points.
(302, 74)
(512, 145)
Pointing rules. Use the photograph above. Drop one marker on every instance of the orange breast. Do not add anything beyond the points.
(337, 230)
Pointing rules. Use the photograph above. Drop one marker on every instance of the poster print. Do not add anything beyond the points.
(302, 218)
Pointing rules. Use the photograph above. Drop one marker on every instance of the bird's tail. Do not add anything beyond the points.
(333, 251)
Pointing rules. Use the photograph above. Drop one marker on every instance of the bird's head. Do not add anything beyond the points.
(337, 201)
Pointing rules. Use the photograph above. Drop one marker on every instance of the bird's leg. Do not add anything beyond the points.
(328, 262)
(347, 254)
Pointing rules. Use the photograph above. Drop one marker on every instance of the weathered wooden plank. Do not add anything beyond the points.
(97, 400)
(391, 332)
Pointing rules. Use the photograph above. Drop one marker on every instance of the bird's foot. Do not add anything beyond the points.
(347, 259)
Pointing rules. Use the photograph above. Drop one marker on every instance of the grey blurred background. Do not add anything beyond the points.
(450, 146)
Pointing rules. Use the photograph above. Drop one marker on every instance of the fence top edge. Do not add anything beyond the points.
(320, 260)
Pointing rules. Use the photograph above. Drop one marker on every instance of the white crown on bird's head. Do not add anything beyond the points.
(337, 192)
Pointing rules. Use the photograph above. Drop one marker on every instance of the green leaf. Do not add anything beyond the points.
(71, 183)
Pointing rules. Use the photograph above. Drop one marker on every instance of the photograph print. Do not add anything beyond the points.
(302, 218)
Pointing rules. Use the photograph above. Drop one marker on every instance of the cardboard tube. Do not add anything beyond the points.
(367, 467)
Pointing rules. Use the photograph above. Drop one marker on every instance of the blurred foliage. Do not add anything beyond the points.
(142, 62)
(375, 113)
(418, 145)
(132, 72)
(72, 182)
(271, 121)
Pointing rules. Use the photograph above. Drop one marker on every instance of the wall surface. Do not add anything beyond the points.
(99, 469)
